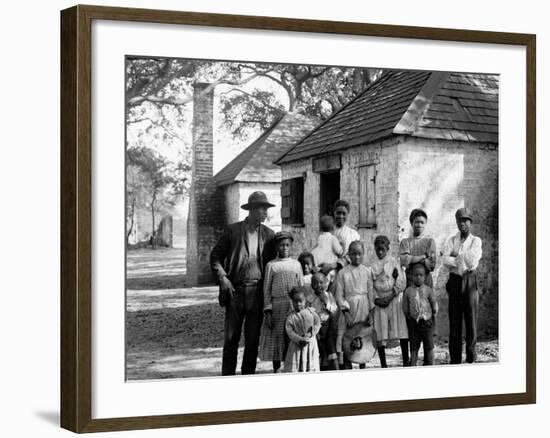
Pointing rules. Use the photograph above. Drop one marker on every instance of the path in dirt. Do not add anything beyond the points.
(174, 332)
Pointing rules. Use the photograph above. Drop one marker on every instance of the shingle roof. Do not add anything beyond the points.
(464, 108)
(255, 163)
(453, 106)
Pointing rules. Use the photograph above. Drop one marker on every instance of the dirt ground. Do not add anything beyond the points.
(173, 331)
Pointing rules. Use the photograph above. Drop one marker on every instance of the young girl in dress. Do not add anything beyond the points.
(281, 275)
(389, 283)
(302, 326)
(354, 296)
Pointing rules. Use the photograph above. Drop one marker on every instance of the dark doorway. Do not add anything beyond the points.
(329, 192)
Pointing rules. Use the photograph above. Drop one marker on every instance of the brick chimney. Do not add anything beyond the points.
(205, 220)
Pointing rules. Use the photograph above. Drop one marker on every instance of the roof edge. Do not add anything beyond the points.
(408, 123)
(255, 143)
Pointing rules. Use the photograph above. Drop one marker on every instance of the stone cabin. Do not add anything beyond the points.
(411, 139)
(253, 169)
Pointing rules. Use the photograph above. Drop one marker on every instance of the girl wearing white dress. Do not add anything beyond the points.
(302, 326)
(389, 282)
(354, 296)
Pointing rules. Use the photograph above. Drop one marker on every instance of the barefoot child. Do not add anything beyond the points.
(302, 326)
(388, 283)
(420, 308)
(353, 295)
(324, 303)
(281, 275)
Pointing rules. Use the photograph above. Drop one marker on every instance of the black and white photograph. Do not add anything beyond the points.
(275, 219)
(289, 218)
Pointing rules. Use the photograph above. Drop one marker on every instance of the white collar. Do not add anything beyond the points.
(469, 238)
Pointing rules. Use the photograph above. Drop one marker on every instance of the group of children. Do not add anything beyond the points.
(307, 312)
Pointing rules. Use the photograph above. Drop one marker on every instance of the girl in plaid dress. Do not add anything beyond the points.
(281, 275)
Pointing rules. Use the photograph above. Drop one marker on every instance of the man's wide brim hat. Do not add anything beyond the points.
(257, 199)
(358, 343)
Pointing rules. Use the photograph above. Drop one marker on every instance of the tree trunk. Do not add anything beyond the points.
(153, 235)
(132, 216)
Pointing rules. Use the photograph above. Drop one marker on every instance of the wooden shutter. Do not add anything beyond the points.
(367, 195)
(292, 201)
(286, 201)
(298, 210)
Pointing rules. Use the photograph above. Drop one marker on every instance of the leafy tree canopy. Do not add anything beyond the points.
(166, 85)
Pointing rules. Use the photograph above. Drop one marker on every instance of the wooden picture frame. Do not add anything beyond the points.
(76, 218)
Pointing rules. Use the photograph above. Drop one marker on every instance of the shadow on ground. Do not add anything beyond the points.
(162, 282)
(176, 334)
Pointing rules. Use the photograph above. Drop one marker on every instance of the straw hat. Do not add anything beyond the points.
(358, 343)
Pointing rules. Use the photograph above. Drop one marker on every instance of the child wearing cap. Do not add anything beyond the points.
(281, 275)
(388, 281)
(302, 326)
(420, 308)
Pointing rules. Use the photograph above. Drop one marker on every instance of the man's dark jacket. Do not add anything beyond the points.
(230, 252)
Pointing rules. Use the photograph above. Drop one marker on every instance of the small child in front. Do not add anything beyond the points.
(388, 284)
(420, 308)
(302, 326)
(324, 303)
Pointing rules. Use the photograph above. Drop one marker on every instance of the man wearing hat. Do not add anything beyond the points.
(461, 256)
(238, 262)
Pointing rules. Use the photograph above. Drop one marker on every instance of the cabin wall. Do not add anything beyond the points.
(436, 175)
(384, 155)
(440, 177)
(305, 237)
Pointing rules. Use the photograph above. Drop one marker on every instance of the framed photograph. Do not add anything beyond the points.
(256, 209)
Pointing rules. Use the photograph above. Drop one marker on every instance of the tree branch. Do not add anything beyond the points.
(155, 124)
(169, 100)
(238, 90)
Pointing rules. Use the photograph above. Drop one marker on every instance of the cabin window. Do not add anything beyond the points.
(292, 197)
(367, 196)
